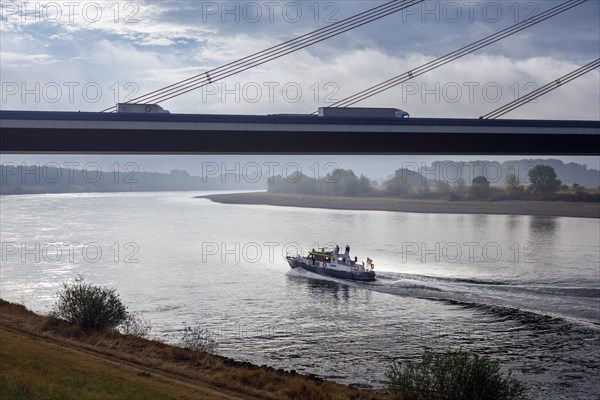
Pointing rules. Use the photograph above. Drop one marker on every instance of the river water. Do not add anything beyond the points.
(523, 290)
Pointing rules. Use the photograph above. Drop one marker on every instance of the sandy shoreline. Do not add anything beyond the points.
(508, 207)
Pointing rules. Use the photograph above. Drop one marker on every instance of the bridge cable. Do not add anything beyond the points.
(542, 90)
(397, 80)
(273, 53)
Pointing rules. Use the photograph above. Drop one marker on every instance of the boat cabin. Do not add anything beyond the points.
(332, 256)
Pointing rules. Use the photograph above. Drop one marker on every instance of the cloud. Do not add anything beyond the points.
(467, 88)
(141, 22)
(10, 59)
(147, 45)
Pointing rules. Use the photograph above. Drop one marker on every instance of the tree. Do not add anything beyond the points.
(89, 306)
(342, 182)
(295, 182)
(443, 188)
(364, 185)
(396, 186)
(513, 184)
(404, 181)
(480, 187)
(543, 179)
(460, 187)
(339, 182)
(424, 189)
(481, 180)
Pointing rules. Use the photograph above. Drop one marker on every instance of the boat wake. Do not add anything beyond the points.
(534, 304)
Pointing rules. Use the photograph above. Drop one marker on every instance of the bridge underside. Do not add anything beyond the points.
(56, 132)
(19, 140)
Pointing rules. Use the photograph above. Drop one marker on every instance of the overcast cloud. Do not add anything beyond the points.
(88, 55)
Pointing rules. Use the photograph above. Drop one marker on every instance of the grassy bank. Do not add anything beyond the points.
(508, 207)
(46, 358)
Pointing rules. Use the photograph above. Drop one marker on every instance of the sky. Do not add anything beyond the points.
(88, 55)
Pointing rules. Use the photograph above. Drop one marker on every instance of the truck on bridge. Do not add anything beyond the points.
(362, 112)
(130, 108)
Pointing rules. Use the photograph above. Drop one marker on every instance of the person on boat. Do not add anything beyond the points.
(347, 254)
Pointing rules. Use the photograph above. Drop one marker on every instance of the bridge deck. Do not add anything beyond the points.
(29, 131)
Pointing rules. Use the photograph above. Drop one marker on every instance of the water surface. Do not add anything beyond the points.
(524, 290)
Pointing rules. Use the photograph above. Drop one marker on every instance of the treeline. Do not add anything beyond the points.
(496, 172)
(339, 182)
(344, 182)
(407, 183)
(37, 179)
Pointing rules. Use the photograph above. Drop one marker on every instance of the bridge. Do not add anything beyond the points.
(85, 132)
(49, 132)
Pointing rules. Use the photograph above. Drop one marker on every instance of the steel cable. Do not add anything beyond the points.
(542, 90)
(272, 53)
(397, 80)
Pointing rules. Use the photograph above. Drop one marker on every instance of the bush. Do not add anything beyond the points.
(453, 197)
(496, 194)
(453, 376)
(199, 339)
(89, 306)
(135, 325)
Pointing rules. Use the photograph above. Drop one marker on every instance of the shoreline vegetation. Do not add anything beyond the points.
(91, 346)
(410, 191)
(458, 180)
(45, 357)
(548, 208)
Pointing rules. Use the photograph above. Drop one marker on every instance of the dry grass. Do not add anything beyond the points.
(47, 358)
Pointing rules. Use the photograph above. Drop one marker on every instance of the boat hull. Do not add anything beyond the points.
(365, 276)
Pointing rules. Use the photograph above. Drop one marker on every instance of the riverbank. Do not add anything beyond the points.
(506, 207)
(43, 357)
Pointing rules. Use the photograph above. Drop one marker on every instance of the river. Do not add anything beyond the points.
(523, 290)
